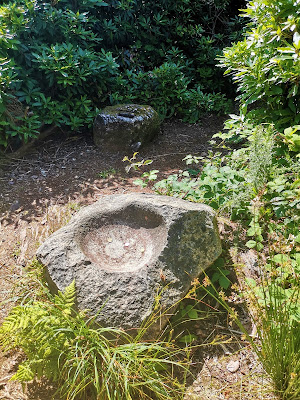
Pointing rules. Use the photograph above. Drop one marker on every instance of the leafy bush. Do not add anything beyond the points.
(56, 71)
(266, 64)
(225, 182)
(85, 360)
(263, 169)
(166, 88)
(65, 59)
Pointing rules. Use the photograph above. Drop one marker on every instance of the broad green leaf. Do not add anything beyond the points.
(219, 263)
(251, 244)
(193, 314)
(139, 182)
(224, 282)
(280, 258)
(147, 162)
(259, 246)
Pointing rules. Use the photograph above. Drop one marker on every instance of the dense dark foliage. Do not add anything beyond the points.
(64, 58)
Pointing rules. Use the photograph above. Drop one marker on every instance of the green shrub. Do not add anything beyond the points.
(85, 360)
(228, 182)
(166, 88)
(263, 168)
(56, 71)
(266, 64)
(64, 59)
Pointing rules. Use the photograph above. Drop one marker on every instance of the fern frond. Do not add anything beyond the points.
(24, 373)
(66, 299)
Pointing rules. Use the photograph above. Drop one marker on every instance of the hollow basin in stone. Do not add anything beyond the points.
(116, 243)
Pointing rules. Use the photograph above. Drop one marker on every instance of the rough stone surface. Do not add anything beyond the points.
(125, 127)
(124, 249)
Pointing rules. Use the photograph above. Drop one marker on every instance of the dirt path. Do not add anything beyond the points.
(40, 192)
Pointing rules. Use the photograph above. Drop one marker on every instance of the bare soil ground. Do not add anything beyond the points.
(40, 192)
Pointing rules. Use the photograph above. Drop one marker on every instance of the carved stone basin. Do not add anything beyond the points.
(125, 249)
(117, 245)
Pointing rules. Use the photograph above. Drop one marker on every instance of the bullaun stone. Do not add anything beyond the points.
(124, 250)
(125, 127)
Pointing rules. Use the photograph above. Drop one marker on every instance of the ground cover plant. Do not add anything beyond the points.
(61, 61)
(85, 360)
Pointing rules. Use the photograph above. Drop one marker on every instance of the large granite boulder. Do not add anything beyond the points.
(125, 249)
(125, 127)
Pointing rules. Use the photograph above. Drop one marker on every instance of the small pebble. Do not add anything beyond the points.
(15, 205)
(233, 366)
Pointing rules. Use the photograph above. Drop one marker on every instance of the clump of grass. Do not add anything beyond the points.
(276, 317)
(278, 330)
(87, 361)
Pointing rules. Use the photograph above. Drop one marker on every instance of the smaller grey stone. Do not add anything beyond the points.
(125, 127)
(233, 366)
(15, 205)
(136, 146)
